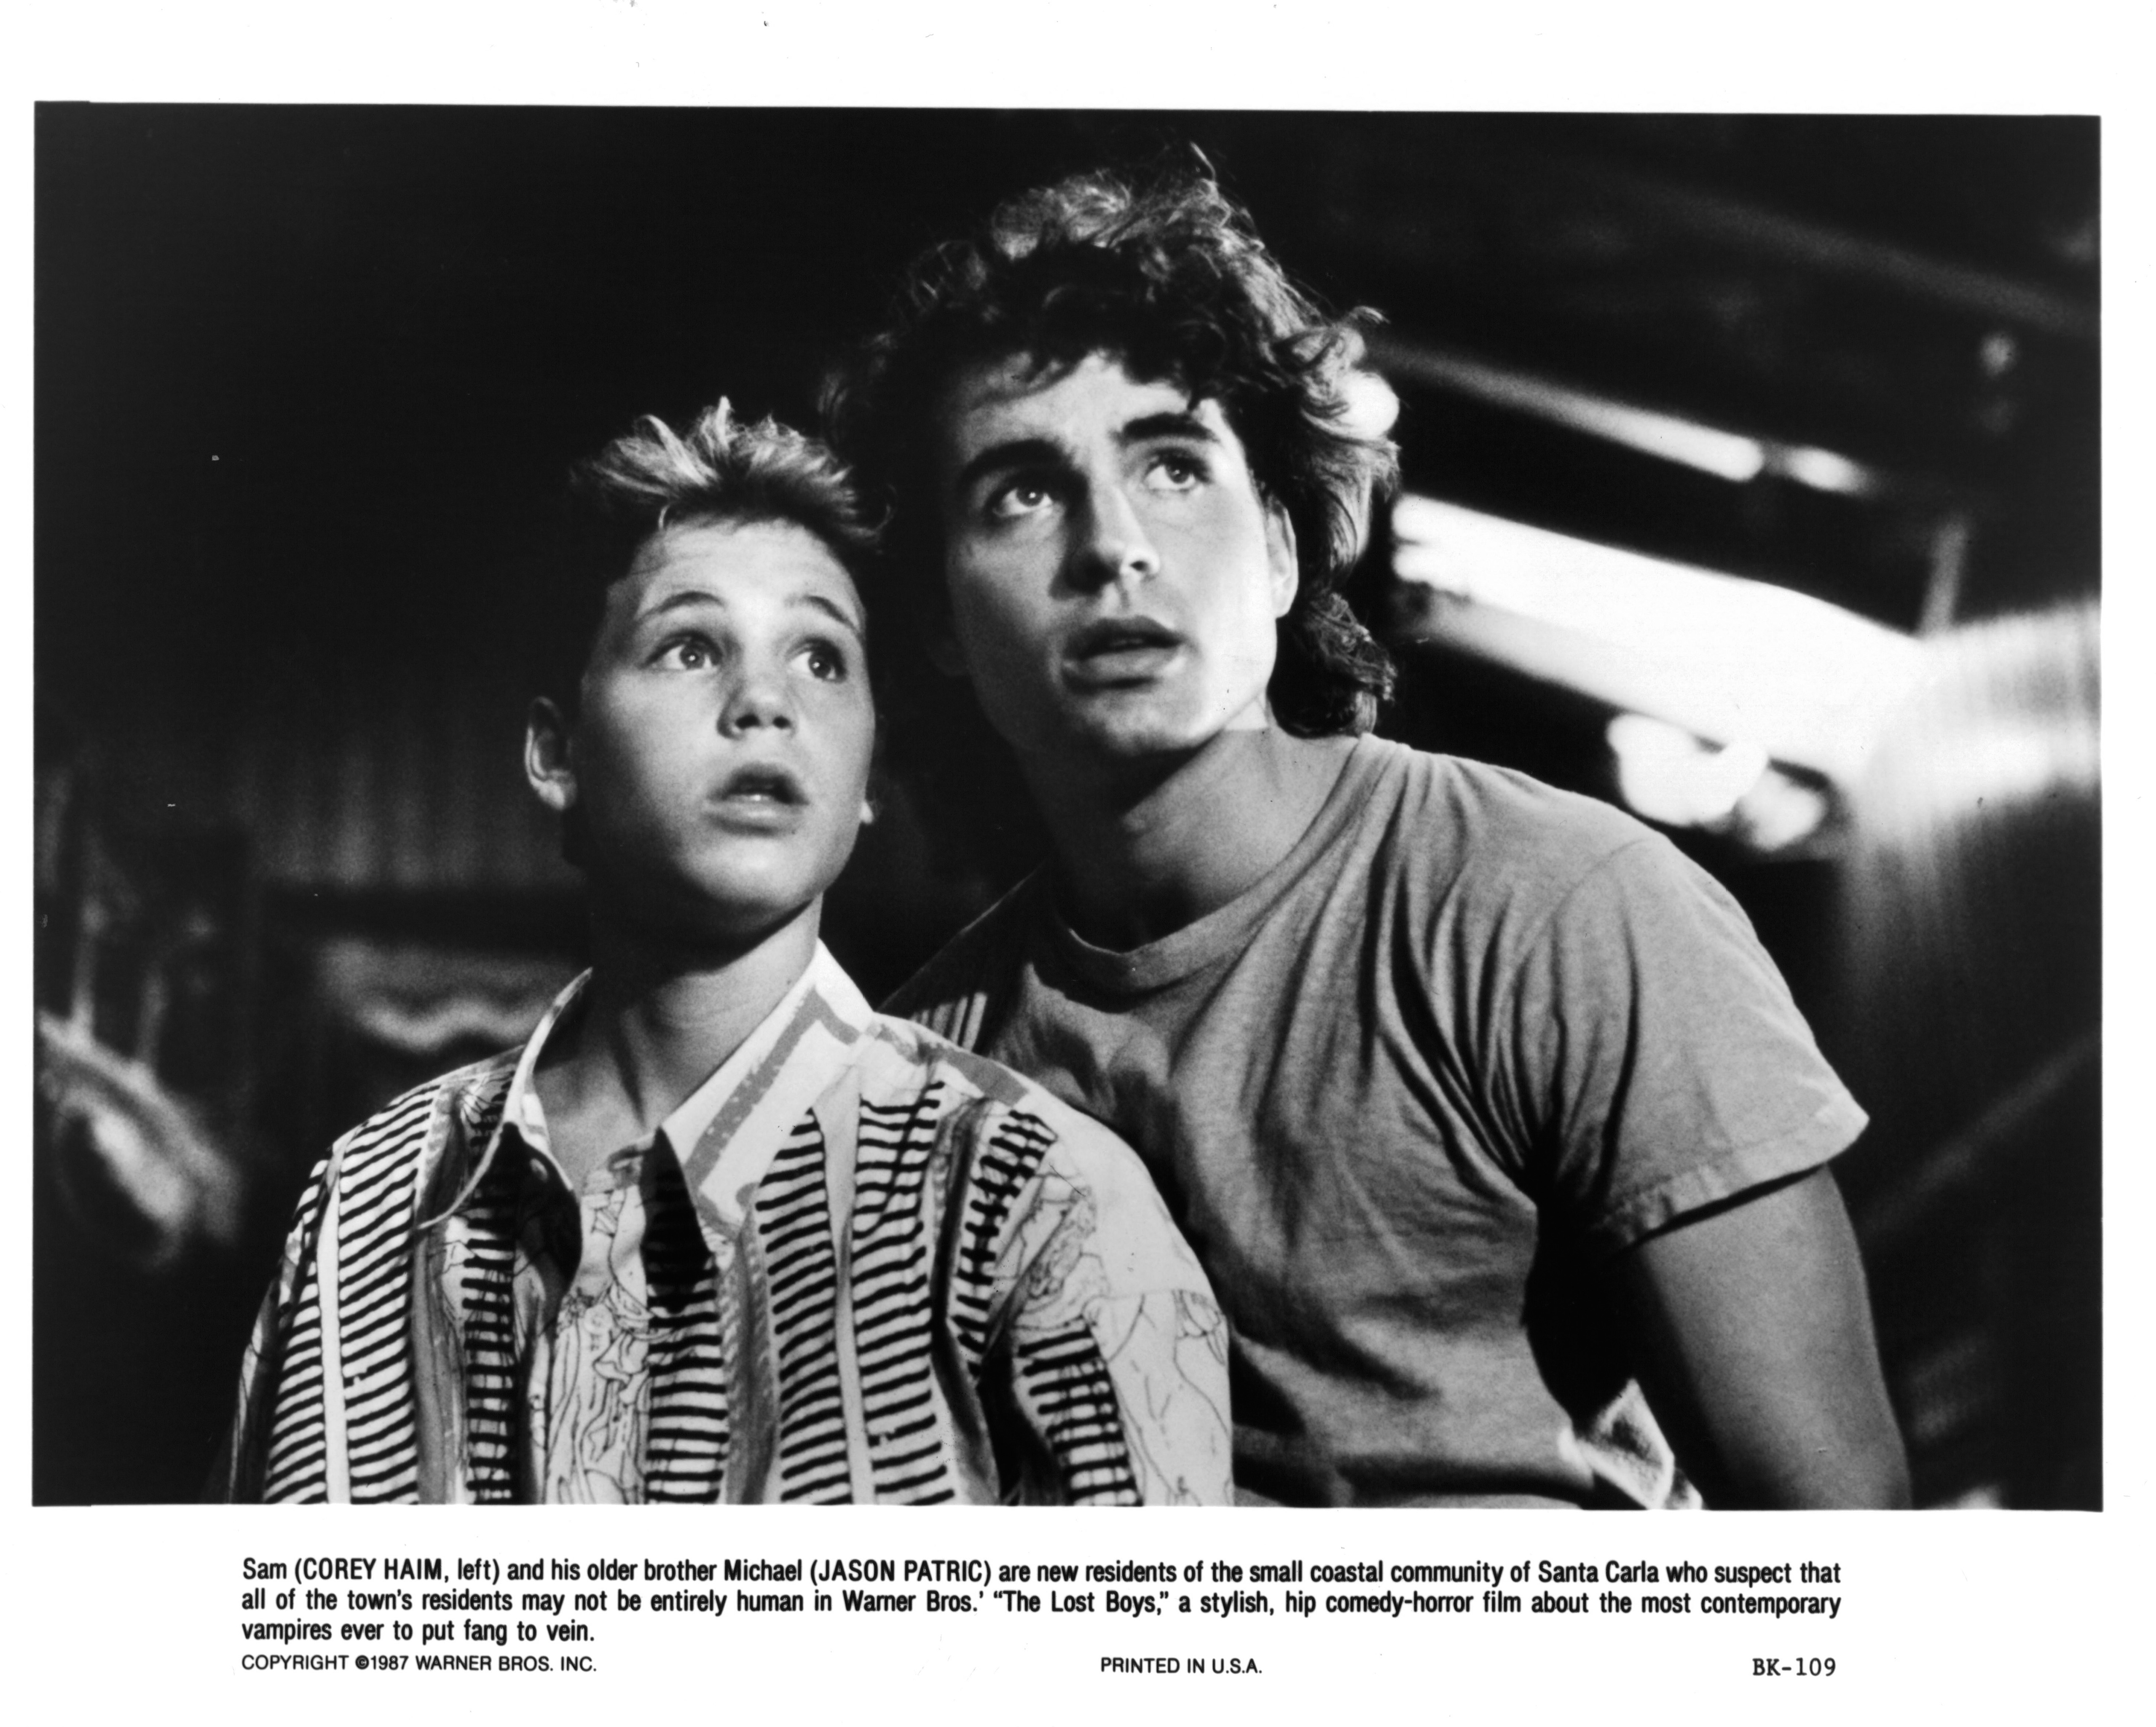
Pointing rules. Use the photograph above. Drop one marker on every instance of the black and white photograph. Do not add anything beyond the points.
(1746, 485)
(1279, 807)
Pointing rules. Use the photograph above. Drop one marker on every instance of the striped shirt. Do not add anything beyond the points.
(872, 1267)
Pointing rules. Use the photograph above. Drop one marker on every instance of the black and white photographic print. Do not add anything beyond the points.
(1235, 805)
(1747, 483)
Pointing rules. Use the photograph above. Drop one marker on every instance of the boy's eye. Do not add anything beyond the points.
(825, 660)
(686, 653)
(1175, 472)
(1021, 497)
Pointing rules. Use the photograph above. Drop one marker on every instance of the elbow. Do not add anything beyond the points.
(1869, 1470)
(1864, 1470)
(1870, 1474)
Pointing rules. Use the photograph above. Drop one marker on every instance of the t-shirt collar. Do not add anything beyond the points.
(1226, 929)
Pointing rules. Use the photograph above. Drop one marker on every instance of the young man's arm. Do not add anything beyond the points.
(1692, 1117)
(1751, 1333)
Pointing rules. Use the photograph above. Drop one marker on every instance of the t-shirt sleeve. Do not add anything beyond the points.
(1657, 1060)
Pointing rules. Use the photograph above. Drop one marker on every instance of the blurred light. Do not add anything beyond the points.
(2006, 715)
(1369, 407)
(1671, 776)
(1726, 659)
(138, 1141)
(1668, 775)
(1824, 471)
(1779, 812)
(1729, 455)
(1733, 456)
(2007, 759)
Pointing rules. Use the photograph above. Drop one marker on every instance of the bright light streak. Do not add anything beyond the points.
(1668, 775)
(1733, 456)
(1727, 660)
(1824, 471)
(1729, 454)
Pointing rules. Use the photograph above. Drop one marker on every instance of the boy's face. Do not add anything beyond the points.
(718, 760)
(1114, 576)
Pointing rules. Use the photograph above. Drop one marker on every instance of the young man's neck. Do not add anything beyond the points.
(1141, 853)
(657, 1018)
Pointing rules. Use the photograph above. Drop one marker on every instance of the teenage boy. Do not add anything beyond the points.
(1482, 1106)
(718, 1230)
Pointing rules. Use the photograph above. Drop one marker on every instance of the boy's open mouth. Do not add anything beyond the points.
(762, 786)
(1121, 650)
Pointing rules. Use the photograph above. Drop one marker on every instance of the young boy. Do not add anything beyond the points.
(718, 1230)
(1482, 1106)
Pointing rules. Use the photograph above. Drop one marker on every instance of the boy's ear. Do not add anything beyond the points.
(547, 762)
(1283, 570)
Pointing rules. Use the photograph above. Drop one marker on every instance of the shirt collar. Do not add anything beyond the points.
(727, 1134)
(724, 1134)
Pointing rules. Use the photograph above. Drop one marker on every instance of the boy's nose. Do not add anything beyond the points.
(760, 697)
(1113, 544)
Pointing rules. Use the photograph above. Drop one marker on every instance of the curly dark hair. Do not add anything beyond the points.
(1171, 280)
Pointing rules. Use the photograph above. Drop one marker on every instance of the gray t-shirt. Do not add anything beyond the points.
(1470, 1036)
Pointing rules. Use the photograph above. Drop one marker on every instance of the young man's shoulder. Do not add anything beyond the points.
(965, 1080)
(951, 996)
(1466, 831)
(1495, 815)
(1003, 1107)
(1477, 841)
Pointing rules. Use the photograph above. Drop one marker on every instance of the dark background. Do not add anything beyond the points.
(307, 380)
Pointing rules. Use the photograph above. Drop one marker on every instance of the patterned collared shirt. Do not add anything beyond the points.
(871, 1266)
